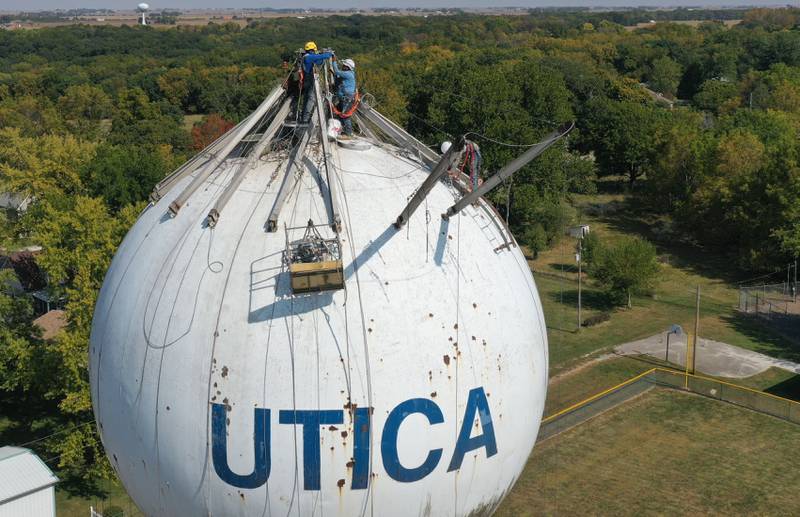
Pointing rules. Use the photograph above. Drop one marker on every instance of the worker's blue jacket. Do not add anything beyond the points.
(347, 85)
(309, 60)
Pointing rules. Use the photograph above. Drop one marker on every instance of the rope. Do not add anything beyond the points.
(348, 113)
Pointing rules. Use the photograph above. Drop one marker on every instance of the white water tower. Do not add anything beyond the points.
(143, 8)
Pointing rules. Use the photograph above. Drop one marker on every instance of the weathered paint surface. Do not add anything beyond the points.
(417, 390)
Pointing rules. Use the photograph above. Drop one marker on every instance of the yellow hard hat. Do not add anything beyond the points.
(311, 46)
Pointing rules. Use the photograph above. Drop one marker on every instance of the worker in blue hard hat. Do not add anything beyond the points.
(310, 58)
(346, 92)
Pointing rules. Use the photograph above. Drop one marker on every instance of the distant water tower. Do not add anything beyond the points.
(143, 8)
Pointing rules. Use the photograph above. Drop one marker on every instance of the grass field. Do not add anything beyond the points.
(665, 453)
(114, 500)
(683, 267)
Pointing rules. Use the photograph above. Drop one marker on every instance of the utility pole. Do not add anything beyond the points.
(696, 328)
(580, 271)
(794, 287)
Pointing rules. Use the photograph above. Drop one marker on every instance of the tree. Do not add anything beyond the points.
(626, 267)
(18, 355)
(625, 136)
(717, 96)
(665, 74)
(83, 107)
(42, 166)
(79, 237)
(209, 129)
(122, 174)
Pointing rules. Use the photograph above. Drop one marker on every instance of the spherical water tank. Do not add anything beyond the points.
(418, 388)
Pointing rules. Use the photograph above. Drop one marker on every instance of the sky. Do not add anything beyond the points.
(33, 5)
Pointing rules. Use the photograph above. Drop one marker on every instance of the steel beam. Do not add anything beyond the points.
(212, 165)
(336, 219)
(509, 169)
(290, 178)
(196, 161)
(262, 145)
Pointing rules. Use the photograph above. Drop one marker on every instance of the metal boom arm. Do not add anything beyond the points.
(509, 169)
(441, 168)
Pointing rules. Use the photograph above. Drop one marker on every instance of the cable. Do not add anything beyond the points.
(427, 123)
(78, 426)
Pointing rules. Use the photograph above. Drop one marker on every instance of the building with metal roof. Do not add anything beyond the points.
(27, 485)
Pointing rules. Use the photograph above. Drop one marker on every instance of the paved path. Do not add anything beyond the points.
(713, 357)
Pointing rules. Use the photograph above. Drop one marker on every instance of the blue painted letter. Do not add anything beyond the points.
(311, 419)
(361, 460)
(476, 403)
(391, 461)
(219, 448)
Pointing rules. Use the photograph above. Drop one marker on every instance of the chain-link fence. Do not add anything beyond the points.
(777, 305)
(658, 377)
(768, 299)
(595, 405)
(727, 392)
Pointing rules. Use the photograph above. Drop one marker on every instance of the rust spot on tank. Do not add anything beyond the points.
(340, 483)
(450, 338)
(224, 371)
(474, 338)
(241, 495)
(386, 283)
(227, 421)
(430, 375)
(350, 464)
(167, 408)
(450, 237)
(455, 326)
(344, 434)
(333, 428)
(215, 384)
(433, 395)
(484, 342)
(214, 360)
(430, 315)
(446, 359)
(213, 398)
(474, 305)
(331, 447)
(369, 329)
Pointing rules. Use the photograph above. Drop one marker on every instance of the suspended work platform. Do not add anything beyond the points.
(315, 263)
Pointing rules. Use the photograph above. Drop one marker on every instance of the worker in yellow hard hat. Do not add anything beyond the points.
(310, 59)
